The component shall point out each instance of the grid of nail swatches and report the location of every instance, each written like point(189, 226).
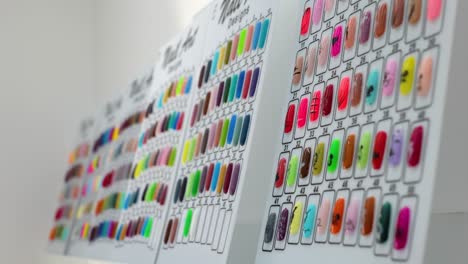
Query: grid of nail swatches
point(218, 132)
point(155, 164)
point(356, 128)
point(70, 194)
point(111, 199)
point(107, 136)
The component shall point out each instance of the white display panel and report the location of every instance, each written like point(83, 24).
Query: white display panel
point(210, 217)
point(104, 195)
point(70, 194)
point(105, 136)
point(374, 114)
point(156, 162)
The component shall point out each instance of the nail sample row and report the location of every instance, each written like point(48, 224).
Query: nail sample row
point(177, 88)
point(212, 180)
point(59, 233)
point(408, 81)
point(141, 227)
point(81, 151)
point(239, 86)
point(250, 39)
point(206, 225)
point(170, 122)
point(114, 230)
point(224, 133)
point(351, 218)
point(163, 157)
point(373, 149)
point(76, 171)
point(125, 147)
point(376, 26)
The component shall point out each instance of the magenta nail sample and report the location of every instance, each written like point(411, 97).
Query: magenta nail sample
point(336, 41)
point(402, 229)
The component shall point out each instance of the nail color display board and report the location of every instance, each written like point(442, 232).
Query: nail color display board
point(215, 206)
point(106, 137)
point(156, 162)
point(113, 198)
point(358, 156)
point(70, 194)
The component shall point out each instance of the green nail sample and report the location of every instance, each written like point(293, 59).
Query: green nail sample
point(179, 86)
point(193, 144)
point(292, 170)
point(227, 87)
point(188, 222)
point(148, 228)
point(238, 130)
point(150, 193)
point(334, 155)
point(172, 157)
point(364, 147)
point(383, 226)
point(224, 131)
point(240, 46)
point(188, 189)
point(196, 183)
point(232, 90)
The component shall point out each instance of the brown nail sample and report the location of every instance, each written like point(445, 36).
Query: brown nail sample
point(381, 20)
point(415, 9)
point(298, 70)
point(175, 225)
point(350, 34)
point(348, 154)
point(368, 217)
point(357, 90)
point(305, 162)
point(398, 13)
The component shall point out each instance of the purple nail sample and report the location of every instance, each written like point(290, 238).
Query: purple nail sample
point(253, 84)
point(282, 224)
point(396, 148)
point(365, 28)
point(201, 186)
point(234, 180)
point(220, 94)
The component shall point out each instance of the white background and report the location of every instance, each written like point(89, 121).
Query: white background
point(58, 60)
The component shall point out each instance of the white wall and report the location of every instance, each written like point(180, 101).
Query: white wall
point(129, 34)
point(58, 60)
point(47, 70)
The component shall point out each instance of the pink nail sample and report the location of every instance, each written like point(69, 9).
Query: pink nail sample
point(352, 215)
point(329, 4)
point(318, 11)
point(322, 219)
point(323, 52)
point(311, 62)
point(336, 41)
point(389, 77)
point(433, 9)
